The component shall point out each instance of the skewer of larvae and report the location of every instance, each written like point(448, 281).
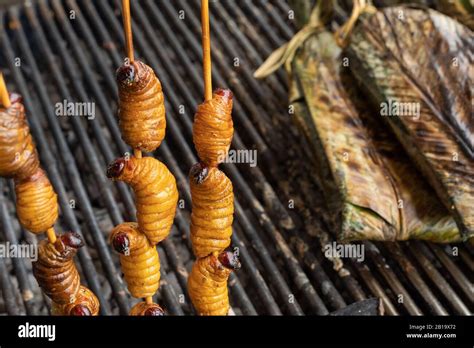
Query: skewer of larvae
point(142, 121)
point(212, 207)
point(37, 210)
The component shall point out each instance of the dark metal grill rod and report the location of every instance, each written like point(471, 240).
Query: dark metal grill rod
point(19, 265)
point(419, 251)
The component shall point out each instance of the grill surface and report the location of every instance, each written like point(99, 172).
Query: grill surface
point(69, 50)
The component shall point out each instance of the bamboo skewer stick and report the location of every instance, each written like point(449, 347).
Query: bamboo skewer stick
point(127, 27)
point(51, 234)
point(206, 49)
point(137, 153)
point(5, 98)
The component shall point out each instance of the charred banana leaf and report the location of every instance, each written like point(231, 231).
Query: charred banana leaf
point(417, 65)
point(371, 187)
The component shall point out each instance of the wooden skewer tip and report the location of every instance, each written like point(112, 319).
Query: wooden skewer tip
point(51, 234)
point(127, 26)
point(206, 49)
point(137, 153)
point(5, 98)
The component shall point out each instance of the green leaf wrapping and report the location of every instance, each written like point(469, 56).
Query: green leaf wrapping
point(406, 55)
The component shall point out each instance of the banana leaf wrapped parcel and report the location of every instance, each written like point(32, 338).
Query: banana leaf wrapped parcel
point(372, 189)
point(413, 57)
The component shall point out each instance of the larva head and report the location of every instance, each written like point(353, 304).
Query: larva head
point(72, 240)
point(147, 310)
point(133, 76)
point(154, 311)
point(121, 243)
point(199, 173)
point(85, 304)
point(80, 310)
point(117, 168)
point(125, 237)
point(68, 243)
point(229, 260)
point(223, 93)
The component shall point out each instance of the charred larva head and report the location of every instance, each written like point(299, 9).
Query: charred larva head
point(224, 93)
point(72, 240)
point(126, 75)
point(121, 243)
point(68, 243)
point(134, 76)
point(80, 310)
point(115, 169)
point(199, 173)
point(229, 260)
point(154, 311)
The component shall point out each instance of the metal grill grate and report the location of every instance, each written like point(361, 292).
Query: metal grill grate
point(68, 50)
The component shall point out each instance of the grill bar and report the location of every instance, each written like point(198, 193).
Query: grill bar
point(284, 268)
point(19, 264)
point(455, 272)
point(418, 252)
